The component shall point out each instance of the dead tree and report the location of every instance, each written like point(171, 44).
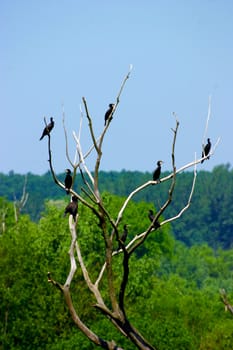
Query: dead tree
point(226, 302)
point(3, 215)
point(114, 307)
point(19, 204)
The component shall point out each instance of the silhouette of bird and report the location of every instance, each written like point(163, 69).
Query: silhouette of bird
point(151, 216)
point(206, 150)
point(72, 208)
point(157, 171)
point(68, 181)
point(108, 113)
point(48, 128)
point(123, 236)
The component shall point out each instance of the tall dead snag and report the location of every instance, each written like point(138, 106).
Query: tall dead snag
point(19, 204)
point(112, 305)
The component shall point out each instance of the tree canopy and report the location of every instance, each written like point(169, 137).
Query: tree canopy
point(209, 222)
point(179, 284)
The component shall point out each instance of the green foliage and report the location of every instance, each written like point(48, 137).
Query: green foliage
point(219, 337)
point(6, 215)
point(172, 295)
point(208, 219)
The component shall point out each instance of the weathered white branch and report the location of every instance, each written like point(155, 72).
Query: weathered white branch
point(228, 306)
point(116, 104)
point(93, 287)
point(82, 157)
point(124, 81)
point(141, 235)
point(166, 178)
point(189, 200)
point(81, 122)
point(73, 266)
point(19, 204)
point(79, 138)
point(66, 138)
point(101, 274)
point(170, 194)
point(207, 123)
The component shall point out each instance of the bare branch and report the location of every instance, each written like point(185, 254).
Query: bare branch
point(81, 122)
point(169, 199)
point(228, 306)
point(189, 200)
point(117, 102)
point(55, 179)
point(124, 278)
point(207, 122)
point(93, 287)
point(56, 284)
point(90, 125)
point(109, 345)
point(73, 266)
point(100, 275)
point(123, 84)
point(19, 204)
point(99, 148)
point(82, 160)
point(59, 183)
point(166, 178)
point(215, 146)
point(66, 138)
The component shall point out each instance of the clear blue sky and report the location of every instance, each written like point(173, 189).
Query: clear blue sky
point(55, 52)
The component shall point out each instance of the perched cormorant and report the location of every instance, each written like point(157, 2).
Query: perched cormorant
point(48, 128)
point(157, 172)
point(108, 113)
point(68, 181)
point(123, 236)
point(151, 217)
point(72, 208)
point(206, 150)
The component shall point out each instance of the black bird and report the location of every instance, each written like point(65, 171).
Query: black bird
point(151, 217)
point(206, 150)
point(157, 171)
point(48, 128)
point(72, 208)
point(123, 236)
point(68, 181)
point(108, 113)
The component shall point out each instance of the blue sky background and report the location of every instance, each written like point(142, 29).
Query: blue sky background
point(55, 52)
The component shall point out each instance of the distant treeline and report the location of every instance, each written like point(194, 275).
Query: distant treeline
point(209, 218)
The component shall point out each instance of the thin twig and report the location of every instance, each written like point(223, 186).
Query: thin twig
point(90, 125)
point(59, 183)
point(66, 138)
point(207, 123)
point(82, 160)
point(100, 275)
